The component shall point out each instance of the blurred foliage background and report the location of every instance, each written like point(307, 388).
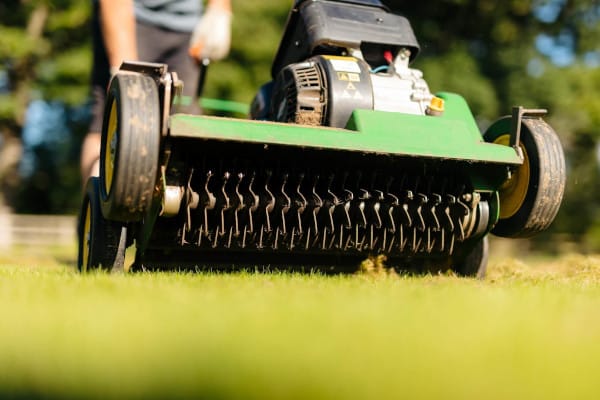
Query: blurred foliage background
point(535, 53)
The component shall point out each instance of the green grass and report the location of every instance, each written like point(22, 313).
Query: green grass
point(530, 330)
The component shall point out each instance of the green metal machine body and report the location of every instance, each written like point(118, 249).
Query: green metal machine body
point(344, 159)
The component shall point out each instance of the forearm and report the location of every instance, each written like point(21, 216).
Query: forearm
point(118, 30)
point(222, 4)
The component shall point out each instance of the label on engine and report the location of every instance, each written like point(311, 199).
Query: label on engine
point(348, 76)
point(344, 65)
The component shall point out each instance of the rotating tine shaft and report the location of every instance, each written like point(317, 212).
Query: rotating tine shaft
point(315, 212)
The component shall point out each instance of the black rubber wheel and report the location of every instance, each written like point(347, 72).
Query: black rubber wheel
point(472, 260)
point(101, 242)
point(130, 147)
point(531, 197)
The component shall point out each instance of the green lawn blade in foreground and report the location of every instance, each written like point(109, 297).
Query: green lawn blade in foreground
point(297, 336)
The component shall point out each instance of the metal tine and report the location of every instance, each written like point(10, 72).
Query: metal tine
point(292, 237)
point(463, 216)
point(347, 245)
point(378, 222)
point(182, 231)
point(448, 223)
point(230, 237)
point(403, 240)
point(341, 209)
point(359, 244)
point(377, 207)
point(416, 244)
point(331, 204)
point(341, 238)
point(434, 201)
point(459, 214)
point(365, 195)
point(240, 203)
point(215, 242)
point(373, 238)
point(391, 246)
point(226, 204)
point(300, 203)
point(209, 201)
point(405, 209)
point(430, 241)
point(421, 200)
point(199, 241)
point(260, 237)
point(347, 206)
point(451, 246)
point(394, 203)
point(388, 209)
point(253, 205)
point(318, 203)
point(269, 204)
point(191, 201)
point(285, 199)
point(363, 222)
point(443, 211)
point(472, 198)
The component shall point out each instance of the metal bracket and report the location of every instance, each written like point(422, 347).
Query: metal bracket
point(518, 113)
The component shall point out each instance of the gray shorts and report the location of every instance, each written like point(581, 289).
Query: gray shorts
point(154, 45)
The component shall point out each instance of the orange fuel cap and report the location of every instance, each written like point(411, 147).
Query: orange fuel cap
point(436, 107)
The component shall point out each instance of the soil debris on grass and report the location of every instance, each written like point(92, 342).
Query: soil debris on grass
point(583, 269)
point(375, 266)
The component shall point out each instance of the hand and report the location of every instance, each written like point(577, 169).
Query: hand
point(211, 38)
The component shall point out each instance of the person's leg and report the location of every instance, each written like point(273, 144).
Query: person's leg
point(90, 156)
point(90, 150)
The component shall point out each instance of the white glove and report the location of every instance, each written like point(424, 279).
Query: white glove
point(212, 36)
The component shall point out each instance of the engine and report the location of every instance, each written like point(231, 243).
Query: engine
point(322, 74)
point(324, 90)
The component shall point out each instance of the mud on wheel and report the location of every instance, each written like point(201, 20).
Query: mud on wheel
point(101, 242)
point(130, 146)
point(531, 197)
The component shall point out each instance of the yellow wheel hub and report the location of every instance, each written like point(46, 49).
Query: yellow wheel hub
point(111, 147)
point(86, 238)
point(514, 190)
